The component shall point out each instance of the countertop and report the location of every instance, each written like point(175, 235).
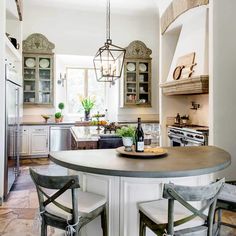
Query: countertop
point(87, 133)
point(179, 162)
point(28, 123)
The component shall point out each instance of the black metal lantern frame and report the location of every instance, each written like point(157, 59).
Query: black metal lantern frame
point(109, 59)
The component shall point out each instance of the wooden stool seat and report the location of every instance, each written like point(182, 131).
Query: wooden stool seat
point(156, 211)
point(88, 202)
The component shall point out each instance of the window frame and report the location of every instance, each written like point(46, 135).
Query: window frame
point(86, 81)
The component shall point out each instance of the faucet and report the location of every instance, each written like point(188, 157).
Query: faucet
point(195, 106)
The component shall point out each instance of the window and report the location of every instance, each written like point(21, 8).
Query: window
point(82, 82)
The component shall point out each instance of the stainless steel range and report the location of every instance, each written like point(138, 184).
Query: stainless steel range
point(188, 135)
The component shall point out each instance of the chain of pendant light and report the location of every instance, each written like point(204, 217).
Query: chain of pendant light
point(108, 20)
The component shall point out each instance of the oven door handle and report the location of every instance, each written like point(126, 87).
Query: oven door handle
point(195, 142)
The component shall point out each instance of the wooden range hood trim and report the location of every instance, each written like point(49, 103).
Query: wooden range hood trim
point(194, 85)
point(176, 9)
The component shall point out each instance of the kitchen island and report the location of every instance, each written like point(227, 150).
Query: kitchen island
point(91, 138)
point(126, 181)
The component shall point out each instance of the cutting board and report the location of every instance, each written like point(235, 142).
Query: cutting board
point(186, 60)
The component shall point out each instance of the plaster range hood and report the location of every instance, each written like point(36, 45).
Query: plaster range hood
point(193, 85)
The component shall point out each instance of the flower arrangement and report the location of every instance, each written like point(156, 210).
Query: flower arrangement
point(87, 103)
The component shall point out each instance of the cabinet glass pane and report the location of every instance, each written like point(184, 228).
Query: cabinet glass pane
point(44, 63)
point(131, 77)
point(44, 74)
point(29, 97)
point(44, 86)
point(29, 62)
point(143, 67)
point(29, 74)
point(44, 97)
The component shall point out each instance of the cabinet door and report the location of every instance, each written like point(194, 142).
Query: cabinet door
point(39, 141)
point(24, 141)
point(38, 79)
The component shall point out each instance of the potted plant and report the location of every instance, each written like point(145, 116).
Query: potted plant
point(61, 106)
point(127, 133)
point(184, 119)
point(58, 117)
point(87, 103)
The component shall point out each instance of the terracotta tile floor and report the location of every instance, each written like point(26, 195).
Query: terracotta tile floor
point(17, 215)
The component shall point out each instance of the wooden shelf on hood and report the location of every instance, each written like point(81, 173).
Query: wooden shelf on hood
point(194, 85)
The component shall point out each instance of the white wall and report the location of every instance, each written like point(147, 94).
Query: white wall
point(82, 33)
point(2, 92)
point(223, 84)
point(193, 38)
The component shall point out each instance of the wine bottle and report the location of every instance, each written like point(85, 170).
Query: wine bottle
point(139, 137)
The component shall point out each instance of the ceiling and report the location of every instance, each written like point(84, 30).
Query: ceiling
point(117, 6)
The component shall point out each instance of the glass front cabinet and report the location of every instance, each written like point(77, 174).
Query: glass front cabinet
point(38, 76)
point(137, 75)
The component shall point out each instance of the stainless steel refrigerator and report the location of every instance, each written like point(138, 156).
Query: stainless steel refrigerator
point(12, 128)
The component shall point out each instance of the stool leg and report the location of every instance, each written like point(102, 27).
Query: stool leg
point(104, 222)
point(142, 227)
point(219, 220)
point(43, 228)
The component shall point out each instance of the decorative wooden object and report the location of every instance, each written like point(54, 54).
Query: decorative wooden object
point(185, 65)
point(177, 8)
point(155, 154)
point(137, 75)
point(38, 63)
point(37, 43)
point(194, 85)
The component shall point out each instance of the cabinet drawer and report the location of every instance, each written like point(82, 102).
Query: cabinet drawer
point(87, 145)
point(39, 130)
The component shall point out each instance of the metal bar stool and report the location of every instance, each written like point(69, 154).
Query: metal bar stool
point(68, 208)
point(226, 201)
point(174, 215)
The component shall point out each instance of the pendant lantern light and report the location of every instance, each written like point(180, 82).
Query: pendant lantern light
point(109, 59)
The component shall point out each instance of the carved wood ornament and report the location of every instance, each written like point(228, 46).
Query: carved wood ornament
point(138, 50)
point(37, 43)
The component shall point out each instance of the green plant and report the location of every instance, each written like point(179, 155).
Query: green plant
point(61, 106)
point(126, 131)
point(87, 103)
point(58, 115)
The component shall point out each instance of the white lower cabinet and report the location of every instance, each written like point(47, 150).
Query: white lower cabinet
point(24, 141)
point(34, 141)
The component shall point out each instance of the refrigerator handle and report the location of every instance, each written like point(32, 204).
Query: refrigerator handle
point(17, 102)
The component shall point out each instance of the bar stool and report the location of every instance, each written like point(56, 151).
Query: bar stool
point(174, 215)
point(226, 201)
point(68, 208)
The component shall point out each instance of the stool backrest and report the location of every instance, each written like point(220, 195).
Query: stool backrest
point(62, 184)
point(207, 195)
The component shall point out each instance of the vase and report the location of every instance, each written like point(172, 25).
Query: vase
point(128, 143)
point(86, 115)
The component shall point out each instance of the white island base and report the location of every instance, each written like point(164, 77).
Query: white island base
point(123, 194)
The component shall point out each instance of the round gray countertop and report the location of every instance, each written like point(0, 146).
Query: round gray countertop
point(179, 162)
